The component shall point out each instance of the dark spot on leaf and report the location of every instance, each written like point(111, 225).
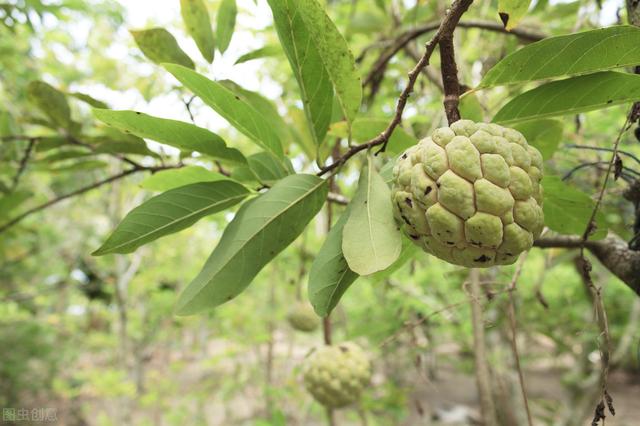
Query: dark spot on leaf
point(504, 17)
point(413, 237)
point(237, 97)
point(229, 297)
point(138, 113)
point(482, 259)
point(427, 190)
point(408, 201)
point(450, 243)
point(609, 101)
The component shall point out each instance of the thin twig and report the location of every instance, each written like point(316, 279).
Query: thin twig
point(447, 26)
point(598, 148)
point(17, 219)
point(23, 163)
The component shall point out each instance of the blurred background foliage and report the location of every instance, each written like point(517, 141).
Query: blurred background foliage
point(96, 337)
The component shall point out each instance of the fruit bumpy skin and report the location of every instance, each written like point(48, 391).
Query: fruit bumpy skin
point(470, 194)
point(337, 375)
point(302, 317)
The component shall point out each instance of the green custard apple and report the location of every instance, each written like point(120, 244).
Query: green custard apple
point(302, 317)
point(337, 375)
point(470, 194)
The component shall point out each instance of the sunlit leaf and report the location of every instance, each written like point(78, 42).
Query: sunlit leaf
point(178, 134)
point(307, 65)
point(330, 276)
point(160, 46)
point(226, 23)
point(572, 96)
point(261, 229)
point(195, 16)
point(171, 212)
point(51, 102)
point(165, 180)
point(263, 52)
point(572, 54)
point(242, 115)
point(371, 239)
point(512, 11)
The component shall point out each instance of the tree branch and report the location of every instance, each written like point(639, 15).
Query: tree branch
point(449, 71)
point(23, 163)
point(447, 26)
point(17, 219)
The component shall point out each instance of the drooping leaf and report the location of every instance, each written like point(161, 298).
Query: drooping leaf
point(263, 52)
point(307, 65)
point(168, 179)
point(512, 11)
point(242, 115)
point(330, 276)
point(90, 100)
point(371, 239)
point(336, 56)
point(573, 54)
point(571, 96)
point(261, 229)
point(181, 135)
point(51, 102)
point(264, 106)
point(171, 212)
point(197, 21)
point(364, 129)
point(567, 210)
point(160, 46)
point(226, 23)
point(263, 168)
point(544, 134)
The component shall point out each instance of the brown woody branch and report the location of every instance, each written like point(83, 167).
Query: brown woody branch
point(447, 26)
point(450, 82)
point(613, 252)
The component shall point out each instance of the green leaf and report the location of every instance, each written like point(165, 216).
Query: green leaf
point(336, 56)
point(264, 106)
point(512, 11)
point(263, 168)
point(568, 210)
point(12, 200)
point(51, 102)
point(168, 179)
point(226, 23)
point(544, 134)
point(198, 24)
point(90, 100)
point(573, 54)
point(171, 212)
point(330, 276)
point(178, 134)
point(261, 229)
point(365, 129)
point(124, 147)
point(571, 96)
point(160, 46)
point(371, 239)
point(471, 108)
point(242, 115)
point(307, 65)
point(408, 252)
point(263, 52)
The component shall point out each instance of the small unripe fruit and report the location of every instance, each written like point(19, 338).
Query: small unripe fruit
point(337, 375)
point(470, 194)
point(302, 317)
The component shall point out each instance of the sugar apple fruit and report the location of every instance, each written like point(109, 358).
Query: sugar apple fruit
point(470, 194)
point(302, 317)
point(337, 375)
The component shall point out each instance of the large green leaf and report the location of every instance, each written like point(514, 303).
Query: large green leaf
point(512, 11)
point(371, 239)
point(572, 54)
point(165, 180)
point(365, 129)
point(544, 134)
point(306, 63)
point(195, 16)
point(241, 114)
point(568, 210)
point(572, 96)
point(263, 168)
point(179, 134)
point(226, 23)
point(171, 212)
point(51, 102)
point(160, 46)
point(336, 56)
point(330, 276)
point(263, 52)
point(261, 229)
